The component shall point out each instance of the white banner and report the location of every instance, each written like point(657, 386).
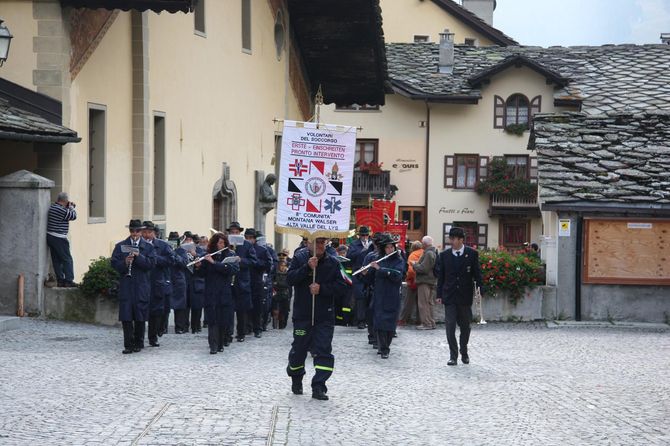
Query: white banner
point(317, 168)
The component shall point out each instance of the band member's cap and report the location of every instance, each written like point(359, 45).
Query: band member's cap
point(135, 224)
point(363, 230)
point(385, 239)
point(174, 235)
point(457, 232)
point(188, 234)
point(149, 224)
point(235, 225)
point(250, 232)
point(259, 234)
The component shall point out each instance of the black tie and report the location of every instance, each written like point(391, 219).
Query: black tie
point(458, 253)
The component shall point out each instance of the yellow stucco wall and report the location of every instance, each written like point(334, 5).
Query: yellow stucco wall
point(401, 141)
point(403, 19)
point(18, 18)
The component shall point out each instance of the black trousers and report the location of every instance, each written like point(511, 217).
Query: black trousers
point(384, 339)
point(181, 320)
point(317, 339)
point(460, 315)
point(166, 314)
point(61, 258)
point(155, 326)
point(241, 323)
point(215, 336)
point(133, 334)
point(196, 319)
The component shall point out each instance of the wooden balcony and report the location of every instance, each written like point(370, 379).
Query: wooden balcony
point(366, 185)
point(514, 206)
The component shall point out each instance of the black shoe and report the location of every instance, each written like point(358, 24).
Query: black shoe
point(452, 361)
point(319, 394)
point(127, 351)
point(220, 349)
point(465, 359)
point(370, 341)
point(154, 344)
point(212, 352)
point(375, 346)
point(226, 343)
point(240, 339)
point(136, 349)
point(257, 335)
point(395, 334)
point(379, 352)
point(296, 386)
point(362, 326)
point(385, 356)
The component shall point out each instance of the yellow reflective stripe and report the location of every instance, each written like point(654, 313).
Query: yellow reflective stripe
point(296, 368)
point(346, 310)
point(339, 317)
point(323, 367)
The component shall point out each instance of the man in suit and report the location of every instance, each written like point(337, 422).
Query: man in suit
point(134, 269)
point(358, 249)
point(161, 283)
point(242, 282)
point(457, 270)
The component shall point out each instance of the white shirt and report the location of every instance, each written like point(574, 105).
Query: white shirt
point(459, 251)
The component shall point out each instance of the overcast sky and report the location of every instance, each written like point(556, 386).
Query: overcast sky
point(582, 22)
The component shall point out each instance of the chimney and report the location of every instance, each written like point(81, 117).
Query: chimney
point(481, 8)
point(446, 52)
point(665, 38)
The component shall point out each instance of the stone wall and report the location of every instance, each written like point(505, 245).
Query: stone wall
point(69, 304)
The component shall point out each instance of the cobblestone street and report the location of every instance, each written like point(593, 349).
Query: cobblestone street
point(69, 384)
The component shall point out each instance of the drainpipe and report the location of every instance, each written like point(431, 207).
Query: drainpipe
point(578, 269)
point(427, 163)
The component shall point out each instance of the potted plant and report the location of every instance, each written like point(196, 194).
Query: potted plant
point(372, 168)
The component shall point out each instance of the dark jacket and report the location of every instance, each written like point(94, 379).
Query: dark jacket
point(242, 282)
point(328, 276)
point(263, 266)
point(425, 266)
point(455, 277)
point(161, 276)
point(135, 291)
point(218, 287)
point(181, 277)
point(281, 286)
point(196, 288)
point(386, 301)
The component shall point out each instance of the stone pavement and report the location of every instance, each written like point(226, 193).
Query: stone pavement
point(68, 384)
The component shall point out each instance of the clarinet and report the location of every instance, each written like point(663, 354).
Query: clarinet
point(190, 258)
point(130, 268)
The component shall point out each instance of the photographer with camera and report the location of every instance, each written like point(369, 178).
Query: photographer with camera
point(58, 224)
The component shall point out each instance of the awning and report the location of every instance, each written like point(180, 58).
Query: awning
point(342, 47)
point(17, 124)
point(139, 5)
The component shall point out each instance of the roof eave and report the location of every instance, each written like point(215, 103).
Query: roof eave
point(35, 137)
point(170, 6)
point(518, 61)
point(469, 18)
point(603, 207)
point(417, 95)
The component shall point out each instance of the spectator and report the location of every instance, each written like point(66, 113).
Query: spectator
point(425, 281)
point(58, 225)
point(406, 317)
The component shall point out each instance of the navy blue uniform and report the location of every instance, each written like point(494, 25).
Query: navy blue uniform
point(134, 291)
point(356, 254)
point(219, 307)
point(265, 319)
point(242, 285)
point(369, 291)
point(196, 293)
point(258, 290)
point(315, 338)
point(161, 289)
point(456, 276)
point(386, 300)
point(181, 276)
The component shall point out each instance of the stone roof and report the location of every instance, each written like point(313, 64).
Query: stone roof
point(615, 159)
point(600, 78)
point(17, 124)
point(139, 5)
point(473, 20)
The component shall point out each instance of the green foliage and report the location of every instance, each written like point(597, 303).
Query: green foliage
point(100, 278)
point(516, 129)
point(502, 271)
point(502, 183)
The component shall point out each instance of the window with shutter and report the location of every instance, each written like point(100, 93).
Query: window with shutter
point(448, 171)
point(498, 113)
point(482, 236)
point(533, 169)
point(517, 108)
point(483, 168)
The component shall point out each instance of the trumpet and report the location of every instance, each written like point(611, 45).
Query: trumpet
point(478, 297)
point(360, 270)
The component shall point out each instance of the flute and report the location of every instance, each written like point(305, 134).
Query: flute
point(370, 264)
point(200, 259)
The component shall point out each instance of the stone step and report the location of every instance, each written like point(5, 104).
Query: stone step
point(9, 323)
point(607, 324)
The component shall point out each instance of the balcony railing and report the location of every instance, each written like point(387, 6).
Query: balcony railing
point(365, 184)
point(514, 206)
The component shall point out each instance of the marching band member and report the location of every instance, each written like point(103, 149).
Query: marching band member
point(242, 282)
point(358, 249)
point(257, 272)
point(161, 283)
point(219, 306)
point(134, 285)
point(313, 296)
point(181, 277)
point(386, 275)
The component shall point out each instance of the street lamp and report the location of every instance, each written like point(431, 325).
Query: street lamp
point(5, 39)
